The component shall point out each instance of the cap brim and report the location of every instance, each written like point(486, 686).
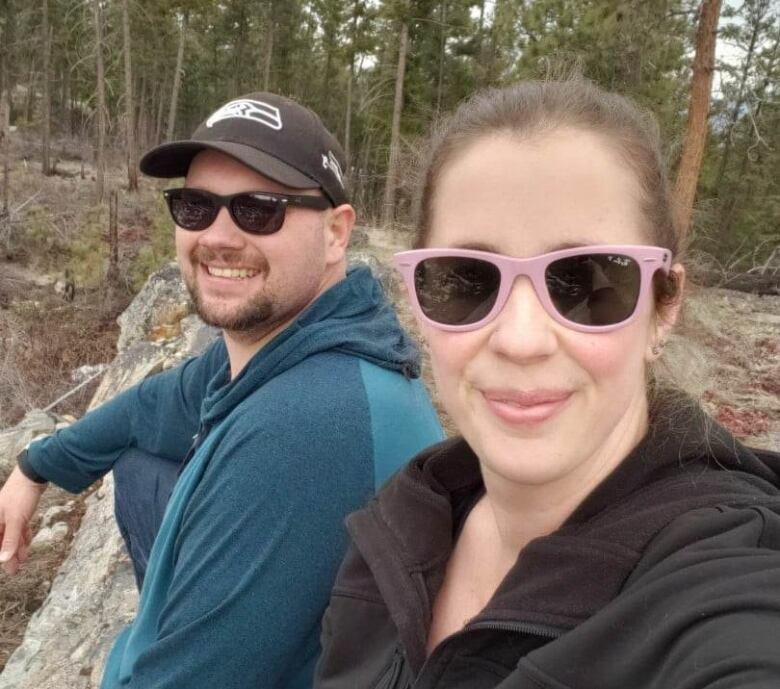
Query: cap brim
point(173, 160)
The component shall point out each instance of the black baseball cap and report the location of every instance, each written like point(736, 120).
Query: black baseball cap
point(270, 134)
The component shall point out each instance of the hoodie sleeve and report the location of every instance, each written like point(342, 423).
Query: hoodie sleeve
point(160, 416)
point(261, 540)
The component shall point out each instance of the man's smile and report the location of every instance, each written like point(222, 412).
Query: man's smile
point(232, 273)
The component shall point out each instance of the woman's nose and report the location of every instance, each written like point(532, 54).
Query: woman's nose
point(524, 331)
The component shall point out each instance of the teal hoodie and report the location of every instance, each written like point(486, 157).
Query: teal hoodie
point(242, 567)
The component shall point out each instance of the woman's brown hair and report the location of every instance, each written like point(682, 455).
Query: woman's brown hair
point(532, 108)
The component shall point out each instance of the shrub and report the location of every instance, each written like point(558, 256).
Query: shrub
point(158, 250)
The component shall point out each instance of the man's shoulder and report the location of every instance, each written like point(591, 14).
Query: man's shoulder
point(316, 388)
point(312, 418)
point(328, 374)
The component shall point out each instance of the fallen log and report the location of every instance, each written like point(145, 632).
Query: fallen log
point(753, 283)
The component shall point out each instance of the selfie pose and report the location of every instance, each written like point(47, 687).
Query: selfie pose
point(591, 528)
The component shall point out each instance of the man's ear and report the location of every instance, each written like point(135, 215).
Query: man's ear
point(666, 316)
point(338, 229)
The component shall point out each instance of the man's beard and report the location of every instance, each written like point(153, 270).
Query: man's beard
point(252, 318)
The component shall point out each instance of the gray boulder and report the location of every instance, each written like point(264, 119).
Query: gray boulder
point(13, 440)
point(160, 305)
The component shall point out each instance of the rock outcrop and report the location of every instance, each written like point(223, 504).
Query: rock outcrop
point(36, 424)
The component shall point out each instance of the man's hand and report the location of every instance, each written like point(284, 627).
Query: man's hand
point(19, 498)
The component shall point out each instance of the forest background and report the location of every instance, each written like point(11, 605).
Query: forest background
point(85, 85)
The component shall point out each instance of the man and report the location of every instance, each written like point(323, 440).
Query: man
point(284, 425)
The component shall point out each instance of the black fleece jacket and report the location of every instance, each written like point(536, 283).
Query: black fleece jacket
point(666, 577)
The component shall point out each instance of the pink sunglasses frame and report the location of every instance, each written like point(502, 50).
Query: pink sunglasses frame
point(648, 258)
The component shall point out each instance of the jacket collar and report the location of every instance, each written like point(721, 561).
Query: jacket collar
point(406, 534)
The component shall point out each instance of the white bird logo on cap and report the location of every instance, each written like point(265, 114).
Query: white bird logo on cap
point(247, 109)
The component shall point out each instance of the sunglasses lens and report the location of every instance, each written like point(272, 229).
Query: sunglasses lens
point(594, 289)
point(456, 291)
point(257, 215)
point(191, 210)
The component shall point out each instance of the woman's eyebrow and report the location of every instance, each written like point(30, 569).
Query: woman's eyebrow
point(477, 246)
point(482, 246)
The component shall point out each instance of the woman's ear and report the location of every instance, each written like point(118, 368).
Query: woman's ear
point(666, 314)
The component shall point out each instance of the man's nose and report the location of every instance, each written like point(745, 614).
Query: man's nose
point(223, 232)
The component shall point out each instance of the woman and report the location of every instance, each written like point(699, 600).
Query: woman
point(587, 530)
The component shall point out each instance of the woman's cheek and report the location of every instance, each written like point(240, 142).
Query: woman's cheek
point(450, 355)
point(609, 356)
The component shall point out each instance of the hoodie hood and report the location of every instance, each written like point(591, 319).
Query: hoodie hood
point(352, 317)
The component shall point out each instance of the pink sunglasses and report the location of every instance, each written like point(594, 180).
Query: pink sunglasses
point(593, 289)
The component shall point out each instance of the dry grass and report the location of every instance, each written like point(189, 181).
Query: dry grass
point(56, 224)
point(42, 342)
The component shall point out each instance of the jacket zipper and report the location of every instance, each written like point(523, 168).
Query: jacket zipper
point(520, 627)
point(542, 630)
point(197, 441)
point(390, 678)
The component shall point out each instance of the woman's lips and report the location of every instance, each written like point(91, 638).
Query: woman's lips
point(526, 408)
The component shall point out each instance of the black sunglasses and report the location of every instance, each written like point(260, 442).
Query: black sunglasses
point(255, 212)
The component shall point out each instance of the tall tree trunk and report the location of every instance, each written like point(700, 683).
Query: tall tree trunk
point(388, 206)
point(442, 53)
point(736, 191)
point(739, 192)
point(698, 111)
point(740, 101)
point(363, 193)
point(142, 115)
point(239, 42)
point(326, 88)
point(5, 77)
point(479, 51)
point(100, 157)
point(4, 148)
point(67, 108)
point(132, 150)
point(46, 79)
point(268, 46)
point(348, 115)
point(159, 120)
point(112, 270)
point(62, 91)
point(29, 105)
point(177, 77)
point(5, 118)
point(350, 81)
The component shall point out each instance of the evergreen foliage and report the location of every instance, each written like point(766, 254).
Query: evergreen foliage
point(340, 58)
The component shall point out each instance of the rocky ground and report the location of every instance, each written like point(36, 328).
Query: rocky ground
point(729, 356)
